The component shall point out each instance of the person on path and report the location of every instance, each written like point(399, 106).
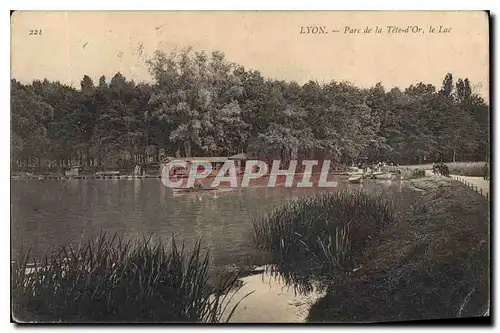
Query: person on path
point(435, 169)
point(444, 170)
point(485, 171)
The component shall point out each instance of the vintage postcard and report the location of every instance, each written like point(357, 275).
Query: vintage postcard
point(250, 166)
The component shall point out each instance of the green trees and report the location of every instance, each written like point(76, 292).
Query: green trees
point(196, 95)
point(31, 117)
point(202, 104)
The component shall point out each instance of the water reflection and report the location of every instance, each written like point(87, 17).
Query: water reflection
point(51, 212)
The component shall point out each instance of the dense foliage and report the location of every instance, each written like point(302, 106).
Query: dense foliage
point(201, 104)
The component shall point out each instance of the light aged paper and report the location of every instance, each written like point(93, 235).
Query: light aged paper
point(334, 166)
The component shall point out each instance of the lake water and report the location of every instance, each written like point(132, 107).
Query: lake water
point(48, 213)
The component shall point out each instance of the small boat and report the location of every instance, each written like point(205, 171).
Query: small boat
point(355, 174)
point(354, 171)
point(193, 189)
point(374, 174)
point(355, 179)
point(384, 176)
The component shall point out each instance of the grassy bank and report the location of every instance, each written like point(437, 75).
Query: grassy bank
point(113, 280)
point(427, 258)
point(433, 262)
point(473, 169)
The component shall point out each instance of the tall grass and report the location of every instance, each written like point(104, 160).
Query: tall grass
point(473, 169)
point(113, 280)
point(315, 238)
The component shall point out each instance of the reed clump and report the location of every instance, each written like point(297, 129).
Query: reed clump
point(113, 280)
point(314, 239)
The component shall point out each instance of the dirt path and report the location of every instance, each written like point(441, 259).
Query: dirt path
point(480, 185)
point(271, 302)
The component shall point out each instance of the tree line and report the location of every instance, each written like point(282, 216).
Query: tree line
point(201, 104)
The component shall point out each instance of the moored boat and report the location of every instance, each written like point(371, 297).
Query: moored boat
point(355, 179)
point(384, 176)
point(193, 189)
point(353, 171)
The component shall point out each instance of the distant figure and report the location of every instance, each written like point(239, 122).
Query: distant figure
point(435, 169)
point(444, 170)
point(485, 171)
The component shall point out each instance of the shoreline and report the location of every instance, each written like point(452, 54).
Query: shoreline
point(432, 214)
point(440, 239)
point(273, 301)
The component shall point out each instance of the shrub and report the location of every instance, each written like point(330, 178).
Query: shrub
point(412, 173)
point(110, 280)
point(474, 169)
point(314, 238)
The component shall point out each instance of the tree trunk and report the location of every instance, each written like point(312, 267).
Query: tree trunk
point(187, 148)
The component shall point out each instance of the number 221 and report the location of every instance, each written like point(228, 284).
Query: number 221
point(35, 32)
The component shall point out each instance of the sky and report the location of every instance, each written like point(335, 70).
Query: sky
point(77, 43)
